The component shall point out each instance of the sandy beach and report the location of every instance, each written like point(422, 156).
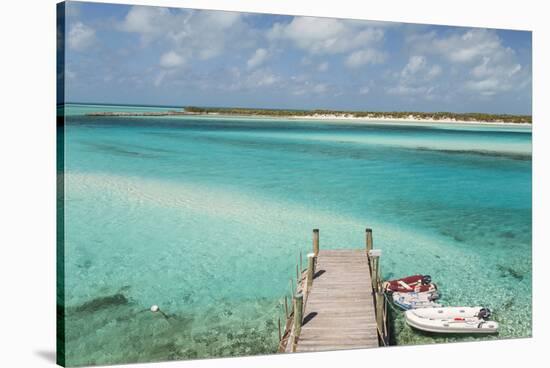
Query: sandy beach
point(369, 120)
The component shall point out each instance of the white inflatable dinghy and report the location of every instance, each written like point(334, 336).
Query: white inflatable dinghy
point(452, 320)
point(414, 300)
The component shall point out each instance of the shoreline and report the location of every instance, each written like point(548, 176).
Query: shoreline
point(318, 117)
point(375, 120)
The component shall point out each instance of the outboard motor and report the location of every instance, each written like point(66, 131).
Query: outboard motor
point(434, 296)
point(426, 280)
point(484, 313)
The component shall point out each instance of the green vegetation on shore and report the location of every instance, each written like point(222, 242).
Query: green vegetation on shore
point(505, 118)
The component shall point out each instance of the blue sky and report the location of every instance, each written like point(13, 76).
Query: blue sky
point(179, 57)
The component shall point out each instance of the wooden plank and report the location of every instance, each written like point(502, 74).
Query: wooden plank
point(347, 338)
point(341, 326)
point(338, 325)
point(328, 344)
point(330, 347)
point(319, 335)
point(323, 298)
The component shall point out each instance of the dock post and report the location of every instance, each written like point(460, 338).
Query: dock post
point(298, 308)
point(316, 242)
point(374, 271)
point(379, 313)
point(286, 308)
point(298, 311)
point(279, 324)
point(368, 235)
point(310, 270)
point(378, 294)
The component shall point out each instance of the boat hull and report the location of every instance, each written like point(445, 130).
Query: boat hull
point(414, 300)
point(409, 284)
point(450, 320)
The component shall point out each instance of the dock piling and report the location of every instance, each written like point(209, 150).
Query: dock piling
point(316, 242)
point(368, 238)
point(378, 294)
point(310, 270)
point(279, 324)
point(298, 308)
point(375, 264)
point(379, 312)
point(286, 308)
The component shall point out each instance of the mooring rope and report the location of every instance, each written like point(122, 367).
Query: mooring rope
point(391, 304)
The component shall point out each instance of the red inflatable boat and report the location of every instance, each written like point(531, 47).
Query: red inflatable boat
point(416, 283)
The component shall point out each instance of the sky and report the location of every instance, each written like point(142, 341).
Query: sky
point(122, 54)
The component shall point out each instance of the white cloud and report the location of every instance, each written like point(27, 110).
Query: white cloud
point(363, 57)
point(301, 86)
point(210, 33)
point(490, 76)
point(416, 80)
point(323, 67)
point(171, 59)
point(320, 88)
point(470, 45)
point(482, 69)
point(258, 58)
point(191, 33)
point(434, 71)
point(81, 37)
point(462, 47)
point(148, 21)
point(72, 9)
point(486, 87)
point(412, 91)
point(364, 90)
point(261, 78)
point(486, 65)
point(416, 63)
point(159, 78)
point(325, 35)
point(418, 69)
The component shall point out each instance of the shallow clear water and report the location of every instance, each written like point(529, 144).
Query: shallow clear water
point(206, 217)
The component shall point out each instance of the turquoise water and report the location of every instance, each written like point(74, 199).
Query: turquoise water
point(206, 217)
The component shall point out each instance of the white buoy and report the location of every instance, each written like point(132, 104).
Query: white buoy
point(155, 308)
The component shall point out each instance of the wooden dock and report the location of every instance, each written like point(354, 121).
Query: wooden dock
point(338, 303)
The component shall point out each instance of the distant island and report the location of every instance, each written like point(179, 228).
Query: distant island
point(334, 114)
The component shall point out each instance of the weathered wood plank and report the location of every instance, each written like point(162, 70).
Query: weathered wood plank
point(335, 347)
point(347, 339)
